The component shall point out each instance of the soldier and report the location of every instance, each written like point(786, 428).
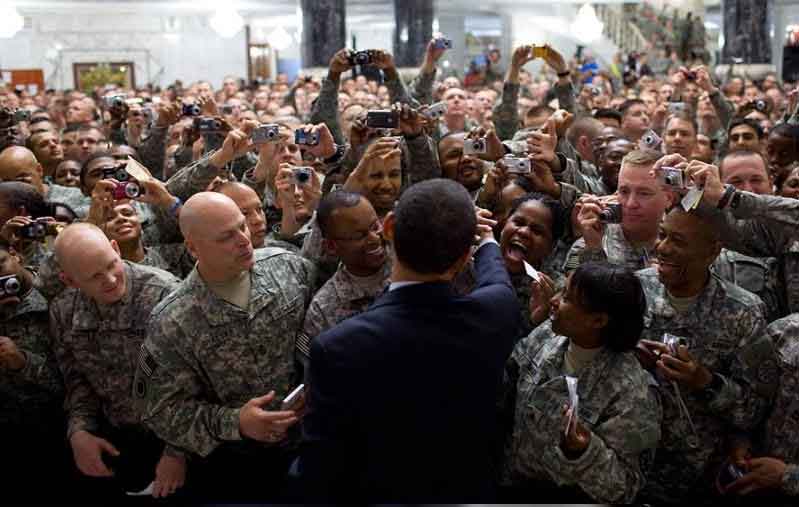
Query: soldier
point(19, 164)
point(643, 201)
point(31, 388)
point(711, 377)
point(609, 165)
point(220, 348)
point(594, 326)
point(98, 329)
point(776, 467)
point(352, 232)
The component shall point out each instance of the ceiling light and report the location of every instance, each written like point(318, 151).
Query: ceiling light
point(226, 22)
point(11, 21)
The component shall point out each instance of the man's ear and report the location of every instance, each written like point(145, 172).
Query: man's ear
point(191, 248)
point(330, 246)
point(388, 226)
point(40, 170)
point(115, 246)
point(66, 280)
point(599, 320)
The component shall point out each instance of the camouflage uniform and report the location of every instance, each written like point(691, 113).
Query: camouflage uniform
point(151, 150)
point(30, 396)
point(421, 87)
point(782, 426)
point(172, 257)
point(757, 275)
point(325, 109)
point(618, 405)
point(615, 250)
point(725, 332)
point(97, 347)
point(204, 358)
point(70, 196)
point(764, 226)
point(579, 173)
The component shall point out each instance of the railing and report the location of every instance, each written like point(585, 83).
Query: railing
point(619, 29)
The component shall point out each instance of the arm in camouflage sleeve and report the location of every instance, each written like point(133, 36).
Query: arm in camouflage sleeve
point(422, 87)
point(194, 178)
point(748, 390)
point(422, 160)
point(609, 469)
point(153, 150)
point(724, 109)
point(579, 254)
point(80, 402)
point(47, 281)
point(325, 109)
point(42, 370)
point(564, 91)
point(506, 113)
point(172, 404)
point(396, 89)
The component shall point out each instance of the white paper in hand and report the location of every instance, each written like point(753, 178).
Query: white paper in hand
point(531, 272)
point(692, 199)
point(145, 492)
point(138, 171)
point(574, 402)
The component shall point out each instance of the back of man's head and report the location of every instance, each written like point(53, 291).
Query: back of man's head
point(21, 197)
point(434, 226)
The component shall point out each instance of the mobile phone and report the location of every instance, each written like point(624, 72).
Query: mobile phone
point(290, 401)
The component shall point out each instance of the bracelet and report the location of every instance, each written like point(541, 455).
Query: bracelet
point(564, 73)
point(175, 207)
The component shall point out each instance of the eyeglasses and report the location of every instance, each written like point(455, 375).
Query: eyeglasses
point(376, 228)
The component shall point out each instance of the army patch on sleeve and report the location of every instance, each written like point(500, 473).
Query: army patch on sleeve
point(147, 362)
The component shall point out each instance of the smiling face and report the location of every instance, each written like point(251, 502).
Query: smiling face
point(355, 236)
point(123, 224)
point(685, 249)
point(642, 198)
point(465, 169)
point(527, 236)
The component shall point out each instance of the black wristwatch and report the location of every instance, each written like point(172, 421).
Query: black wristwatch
point(729, 190)
point(564, 73)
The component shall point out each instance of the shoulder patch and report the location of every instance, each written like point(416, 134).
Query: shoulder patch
point(147, 362)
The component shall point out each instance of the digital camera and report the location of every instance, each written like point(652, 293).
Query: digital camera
point(650, 140)
point(302, 175)
point(517, 165)
point(611, 214)
point(436, 111)
point(127, 190)
point(761, 105)
point(208, 125)
point(690, 75)
point(115, 101)
point(226, 109)
point(474, 146)
point(119, 173)
point(677, 107)
point(361, 57)
point(306, 138)
point(442, 43)
point(673, 342)
point(36, 231)
point(191, 110)
point(266, 133)
point(672, 178)
point(9, 286)
point(22, 115)
point(382, 119)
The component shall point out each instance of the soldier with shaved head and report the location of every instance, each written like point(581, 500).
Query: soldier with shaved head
point(98, 327)
point(219, 354)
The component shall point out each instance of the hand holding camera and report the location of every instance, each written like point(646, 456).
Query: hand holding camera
point(674, 363)
point(265, 425)
point(378, 154)
point(411, 122)
point(590, 221)
point(485, 144)
point(236, 144)
point(706, 176)
point(168, 115)
point(316, 140)
point(339, 64)
point(542, 145)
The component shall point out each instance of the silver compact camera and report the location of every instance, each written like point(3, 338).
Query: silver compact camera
point(266, 133)
point(672, 177)
point(475, 146)
point(673, 342)
point(442, 43)
point(677, 107)
point(436, 111)
point(9, 286)
point(302, 175)
point(650, 140)
point(517, 165)
point(306, 138)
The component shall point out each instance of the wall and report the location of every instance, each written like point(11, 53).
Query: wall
point(192, 52)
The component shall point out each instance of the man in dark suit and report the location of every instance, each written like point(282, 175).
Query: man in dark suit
point(402, 397)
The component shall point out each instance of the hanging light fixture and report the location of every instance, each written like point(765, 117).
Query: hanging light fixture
point(226, 22)
point(11, 21)
point(586, 25)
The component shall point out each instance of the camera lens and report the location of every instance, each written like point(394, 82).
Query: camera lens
point(12, 286)
point(132, 190)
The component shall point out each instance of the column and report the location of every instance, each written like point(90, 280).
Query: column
point(323, 30)
point(414, 20)
point(746, 31)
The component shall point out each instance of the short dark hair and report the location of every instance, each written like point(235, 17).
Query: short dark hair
point(608, 113)
point(740, 120)
point(435, 224)
point(94, 156)
point(558, 212)
point(17, 195)
point(616, 292)
point(627, 104)
point(539, 110)
point(683, 116)
point(332, 202)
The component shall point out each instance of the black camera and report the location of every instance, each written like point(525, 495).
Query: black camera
point(228, 110)
point(761, 105)
point(302, 175)
point(119, 173)
point(9, 286)
point(35, 231)
point(191, 110)
point(22, 115)
point(208, 125)
point(382, 119)
point(116, 101)
point(690, 75)
point(361, 57)
point(307, 138)
point(611, 214)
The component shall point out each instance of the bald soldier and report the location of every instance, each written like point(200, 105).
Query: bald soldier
point(219, 354)
point(20, 164)
point(98, 326)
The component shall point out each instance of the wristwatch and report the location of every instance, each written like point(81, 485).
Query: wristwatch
point(729, 190)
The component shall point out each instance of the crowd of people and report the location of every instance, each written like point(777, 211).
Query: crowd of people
point(566, 287)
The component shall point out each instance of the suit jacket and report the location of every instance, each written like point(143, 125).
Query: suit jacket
point(403, 397)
